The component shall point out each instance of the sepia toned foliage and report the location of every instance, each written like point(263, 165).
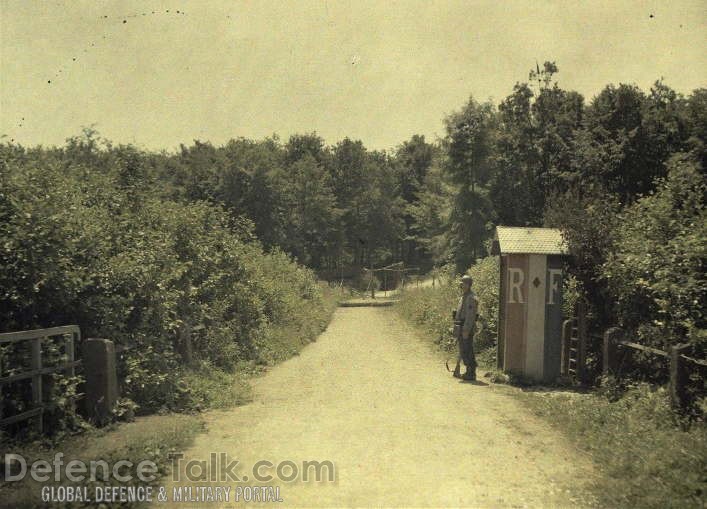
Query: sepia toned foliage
point(90, 236)
point(657, 270)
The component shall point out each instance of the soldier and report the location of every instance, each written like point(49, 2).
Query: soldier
point(464, 326)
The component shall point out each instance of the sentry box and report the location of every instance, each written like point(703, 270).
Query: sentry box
point(530, 301)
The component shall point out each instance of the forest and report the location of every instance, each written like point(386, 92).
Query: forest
point(134, 244)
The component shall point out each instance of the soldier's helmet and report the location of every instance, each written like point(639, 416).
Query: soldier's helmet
point(466, 278)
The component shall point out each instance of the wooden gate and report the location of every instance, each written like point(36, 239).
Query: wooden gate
point(71, 336)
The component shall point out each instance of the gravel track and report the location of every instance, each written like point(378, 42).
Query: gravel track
point(374, 398)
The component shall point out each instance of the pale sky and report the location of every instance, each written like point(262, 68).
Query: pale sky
point(377, 71)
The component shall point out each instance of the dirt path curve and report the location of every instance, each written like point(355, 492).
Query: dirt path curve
point(375, 399)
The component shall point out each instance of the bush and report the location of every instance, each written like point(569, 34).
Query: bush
point(431, 308)
point(92, 239)
point(486, 275)
point(587, 219)
point(657, 270)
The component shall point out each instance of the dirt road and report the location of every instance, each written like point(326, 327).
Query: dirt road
point(375, 399)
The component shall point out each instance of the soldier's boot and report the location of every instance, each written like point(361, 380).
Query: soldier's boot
point(457, 372)
point(470, 374)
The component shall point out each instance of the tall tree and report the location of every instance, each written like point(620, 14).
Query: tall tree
point(535, 146)
point(312, 214)
point(353, 187)
point(429, 213)
point(469, 143)
point(412, 160)
point(247, 186)
point(301, 145)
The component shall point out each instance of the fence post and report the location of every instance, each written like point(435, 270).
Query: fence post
point(70, 350)
point(566, 340)
point(678, 376)
point(610, 355)
point(70, 347)
point(101, 379)
point(37, 399)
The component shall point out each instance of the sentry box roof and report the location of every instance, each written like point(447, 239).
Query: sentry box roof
point(512, 239)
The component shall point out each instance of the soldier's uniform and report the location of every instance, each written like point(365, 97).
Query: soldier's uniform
point(464, 327)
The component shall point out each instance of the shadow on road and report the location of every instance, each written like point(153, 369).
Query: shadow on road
point(553, 388)
point(474, 382)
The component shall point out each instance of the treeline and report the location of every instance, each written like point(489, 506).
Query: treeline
point(331, 207)
point(621, 174)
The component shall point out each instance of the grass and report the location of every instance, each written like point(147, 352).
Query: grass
point(430, 310)
point(287, 339)
point(214, 388)
point(648, 457)
point(151, 438)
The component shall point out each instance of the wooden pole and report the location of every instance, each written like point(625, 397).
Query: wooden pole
point(73, 338)
point(610, 352)
point(101, 379)
point(37, 380)
point(678, 376)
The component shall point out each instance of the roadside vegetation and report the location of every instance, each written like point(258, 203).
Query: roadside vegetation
point(91, 235)
point(431, 308)
point(147, 438)
point(647, 455)
point(647, 258)
point(90, 238)
point(623, 178)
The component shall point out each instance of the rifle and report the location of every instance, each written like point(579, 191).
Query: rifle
point(457, 372)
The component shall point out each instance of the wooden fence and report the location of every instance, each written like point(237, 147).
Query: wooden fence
point(574, 355)
point(71, 335)
point(679, 363)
